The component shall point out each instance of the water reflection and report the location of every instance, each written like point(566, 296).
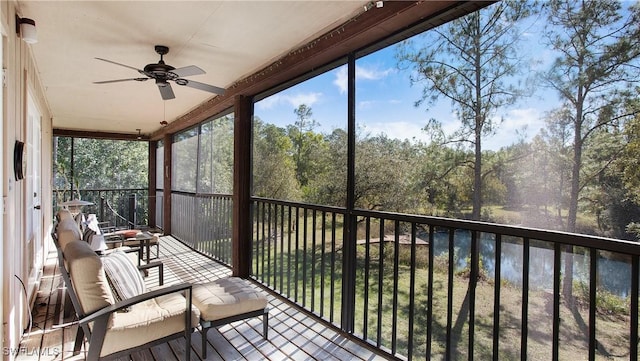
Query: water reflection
point(614, 272)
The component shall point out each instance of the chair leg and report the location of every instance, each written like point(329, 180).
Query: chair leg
point(265, 325)
point(204, 341)
point(79, 340)
point(187, 348)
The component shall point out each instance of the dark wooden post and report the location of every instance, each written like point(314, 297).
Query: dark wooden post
point(241, 239)
point(166, 191)
point(151, 199)
point(133, 207)
point(350, 227)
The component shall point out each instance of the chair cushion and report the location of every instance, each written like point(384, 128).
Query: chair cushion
point(227, 297)
point(148, 321)
point(67, 225)
point(63, 214)
point(123, 276)
point(66, 236)
point(87, 275)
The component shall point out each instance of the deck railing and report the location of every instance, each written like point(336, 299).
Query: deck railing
point(203, 221)
point(431, 288)
point(130, 206)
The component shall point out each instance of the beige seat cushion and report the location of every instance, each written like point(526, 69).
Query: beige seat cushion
point(88, 277)
point(66, 229)
point(146, 322)
point(66, 236)
point(63, 214)
point(227, 297)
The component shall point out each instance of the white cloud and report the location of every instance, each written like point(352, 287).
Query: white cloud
point(292, 99)
point(268, 103)
point(397, 130)
point(307, 98)
point(524, 122)
point(366, 104)
point(362, 73)
point(341, 79)
point(518, 123)
point(371, 74)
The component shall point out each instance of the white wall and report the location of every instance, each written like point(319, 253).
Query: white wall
point(20, 77)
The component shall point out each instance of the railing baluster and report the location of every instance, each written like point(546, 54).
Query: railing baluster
point(430, 294)
point(396, 264)
point(255, 259)
point(322, 260)
point(333, 266)
point(273, 244)
point(557, 272)
point(313, 259)
point(297, 261)
point(264, 242)
point(268, 243)
point(473, 280)
point(282, 248)
point(496, 297)
point(304, 258)
point(635, 268)
point(380, 283)
point(450, 295)
point(412, 292)
point(289, 252)
point(525, 299)
point(593, 277)
point(367, 249)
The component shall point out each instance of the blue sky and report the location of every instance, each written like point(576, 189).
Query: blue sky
point(385, 103)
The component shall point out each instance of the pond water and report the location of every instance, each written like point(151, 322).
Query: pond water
point(614, 275)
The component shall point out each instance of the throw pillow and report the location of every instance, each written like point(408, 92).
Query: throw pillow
point(123, 276)
point(87, 234)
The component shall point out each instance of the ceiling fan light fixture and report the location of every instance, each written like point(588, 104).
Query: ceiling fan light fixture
point(163, 73)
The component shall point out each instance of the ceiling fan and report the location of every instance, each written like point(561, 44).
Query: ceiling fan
point(163, 73)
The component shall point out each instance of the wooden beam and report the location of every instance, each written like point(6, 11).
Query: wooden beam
point(242, 226)
point(98, 135)
point(152, 182)
point(166, 189)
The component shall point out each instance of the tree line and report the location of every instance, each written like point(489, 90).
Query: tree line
point(578, 174)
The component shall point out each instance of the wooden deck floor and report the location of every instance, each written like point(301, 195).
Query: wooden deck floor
point(293, 334)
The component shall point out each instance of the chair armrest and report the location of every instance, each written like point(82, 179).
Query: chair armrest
point(106, 311)
point(136, 249)
point(100, 318)
point(160, 266)
point(126, 249)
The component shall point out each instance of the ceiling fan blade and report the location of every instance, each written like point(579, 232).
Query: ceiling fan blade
point(126, 66)
point(119, 80)
point(201, 86)
point(188, 71)
point(166, 92)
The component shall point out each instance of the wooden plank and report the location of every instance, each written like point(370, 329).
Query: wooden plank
point(162, 352)
point(177, 347)
point(222, 345)
point(142, 355)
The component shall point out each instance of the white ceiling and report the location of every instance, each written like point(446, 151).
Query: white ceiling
point(228, 39)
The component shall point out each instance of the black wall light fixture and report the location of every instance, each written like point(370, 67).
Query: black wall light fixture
point(26, 28)
point(18, 160)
